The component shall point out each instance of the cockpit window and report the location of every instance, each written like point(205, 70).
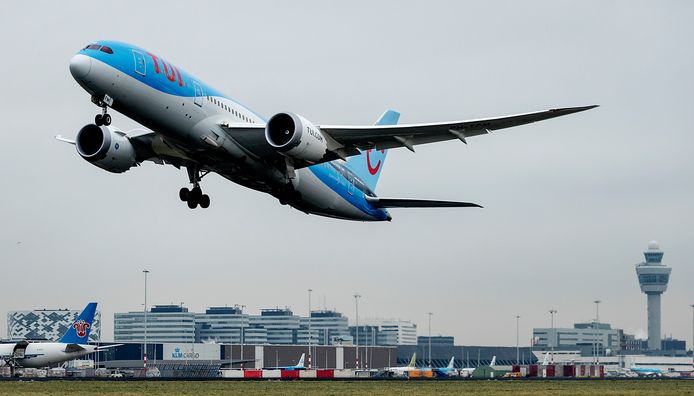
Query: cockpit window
point(106, 49)
point(93, 46)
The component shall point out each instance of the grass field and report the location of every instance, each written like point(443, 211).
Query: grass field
point(155, 388)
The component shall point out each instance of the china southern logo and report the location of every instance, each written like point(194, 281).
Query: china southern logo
point(81, 327)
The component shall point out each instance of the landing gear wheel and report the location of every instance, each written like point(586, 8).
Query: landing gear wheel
point(205, 201)
point(192, 203)
point(106, 119)
point(195, 194)
point(184, 194)
point(98, 120)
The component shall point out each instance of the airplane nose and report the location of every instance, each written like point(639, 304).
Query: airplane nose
point(80, 66)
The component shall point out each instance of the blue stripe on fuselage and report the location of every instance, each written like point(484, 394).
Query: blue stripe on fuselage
point(331, 177)
point(123, 59)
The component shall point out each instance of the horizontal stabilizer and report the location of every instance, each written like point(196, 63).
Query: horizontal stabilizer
point(417, 203)
point(69, 348)
point(103, 347)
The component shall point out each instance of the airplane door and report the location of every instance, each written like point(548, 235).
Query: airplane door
point(198, 93)
point(140, 65)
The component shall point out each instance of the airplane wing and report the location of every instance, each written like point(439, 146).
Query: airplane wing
point(409, 135)
point(351, 139)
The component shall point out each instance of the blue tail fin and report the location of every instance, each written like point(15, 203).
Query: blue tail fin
point(369, 164)
point(78, 333)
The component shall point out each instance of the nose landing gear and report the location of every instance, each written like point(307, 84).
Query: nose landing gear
point(104, 118)
point(194, 196)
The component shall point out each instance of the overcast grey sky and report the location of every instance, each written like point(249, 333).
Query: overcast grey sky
point(570, 203)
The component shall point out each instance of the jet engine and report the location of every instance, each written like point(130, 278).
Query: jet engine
point(294, 136)
point(106, 147)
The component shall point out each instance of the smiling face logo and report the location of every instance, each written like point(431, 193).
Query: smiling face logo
point(373, 169)
point(81, 327)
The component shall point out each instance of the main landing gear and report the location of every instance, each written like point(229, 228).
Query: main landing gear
point(194, 196)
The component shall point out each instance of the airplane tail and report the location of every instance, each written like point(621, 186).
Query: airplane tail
point(546, 360)
point(301, 360)
point(493, 362)
point(78, 333)
point(450, 364)
point(413, 361)
point(369, 164)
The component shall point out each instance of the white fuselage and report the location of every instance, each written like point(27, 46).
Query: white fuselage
point(43, 354)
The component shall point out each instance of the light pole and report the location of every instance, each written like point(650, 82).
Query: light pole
point(144, 349)
point(429, 313)
point(597, 319)
point(554, 336)
point(241, 334)
point(517, 341)
point(356, 306)
point(309, 327)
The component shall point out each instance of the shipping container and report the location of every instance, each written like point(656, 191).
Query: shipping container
point(343, 373)
point(550, 371)
point(307, 374)
point(569, 371)
point(325, 374)
point(532, 370)
point(289, 374)
point(252, 373)
point(272, 374)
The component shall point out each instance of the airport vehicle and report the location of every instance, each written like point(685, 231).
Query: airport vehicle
point(298, 366)
point(402, 371)
point(327, 170)
point(72, 345)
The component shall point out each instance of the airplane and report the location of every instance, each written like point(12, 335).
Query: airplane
point(647, 371)
point(545, 361)
point(402, 371)
point(72, 345)
point(298, 366)
point(447, 371)
point(326, 170)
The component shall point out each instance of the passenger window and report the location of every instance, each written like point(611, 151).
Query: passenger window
point(107, 50)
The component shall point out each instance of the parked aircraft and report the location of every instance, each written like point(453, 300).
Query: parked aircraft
point(327, 170)
point(74, 344)
point(298, 366)
point(448, 371)
point(647, 371)
point(402, 371)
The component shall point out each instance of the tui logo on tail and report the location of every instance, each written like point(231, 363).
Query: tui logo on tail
point(373, 169)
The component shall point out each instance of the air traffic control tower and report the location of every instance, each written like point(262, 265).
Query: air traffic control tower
point(653, 278)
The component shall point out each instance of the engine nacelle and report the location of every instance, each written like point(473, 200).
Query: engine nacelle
point(294, 136)
point(105, 147)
